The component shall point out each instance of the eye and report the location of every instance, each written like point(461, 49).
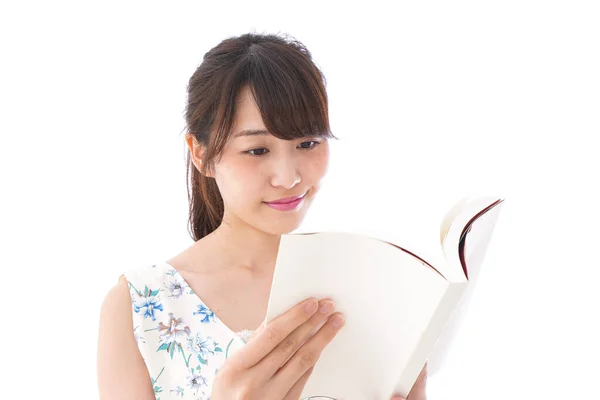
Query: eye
point(262, 151)
point(253, 150)
point(311, 147)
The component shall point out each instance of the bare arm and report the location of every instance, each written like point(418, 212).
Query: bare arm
point(122, 373)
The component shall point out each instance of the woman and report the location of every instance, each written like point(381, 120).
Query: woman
point(257, 131)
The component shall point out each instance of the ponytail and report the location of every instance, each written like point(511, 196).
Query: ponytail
point(205, 203)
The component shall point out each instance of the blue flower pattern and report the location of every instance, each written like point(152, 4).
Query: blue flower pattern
point(182, 342)
point(147, 302)
point(206, 316)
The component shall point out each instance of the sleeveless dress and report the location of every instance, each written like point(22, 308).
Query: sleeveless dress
point(182, 342)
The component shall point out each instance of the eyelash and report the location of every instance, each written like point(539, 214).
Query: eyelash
point(249, 152)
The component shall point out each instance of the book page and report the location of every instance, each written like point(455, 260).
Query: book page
point(412, 223)
point(387, 296)
point(476, 244)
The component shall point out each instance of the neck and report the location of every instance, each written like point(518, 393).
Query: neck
point(244, 246)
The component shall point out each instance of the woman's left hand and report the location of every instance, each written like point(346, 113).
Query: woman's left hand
point(418, 390)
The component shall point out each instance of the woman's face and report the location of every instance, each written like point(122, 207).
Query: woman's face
point(260, 168)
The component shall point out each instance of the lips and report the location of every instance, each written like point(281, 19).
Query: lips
point(287, 200)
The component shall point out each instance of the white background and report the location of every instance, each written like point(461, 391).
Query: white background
point(431, 101)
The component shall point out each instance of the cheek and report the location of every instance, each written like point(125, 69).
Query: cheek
point(319, 164)
point(239, 186)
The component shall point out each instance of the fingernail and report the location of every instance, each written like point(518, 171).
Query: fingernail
point(311, 307)
point(326, 306)
point(337, 320)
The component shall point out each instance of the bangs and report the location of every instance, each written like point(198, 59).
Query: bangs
point(289, 91)
point(291, 98)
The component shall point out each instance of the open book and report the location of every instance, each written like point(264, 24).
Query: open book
point(401, 308)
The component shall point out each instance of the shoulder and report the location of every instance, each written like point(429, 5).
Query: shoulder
point(121, 367)
point(115, 313)
point(140, 296)
point(117, 296)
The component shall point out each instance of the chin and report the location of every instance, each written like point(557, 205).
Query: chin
point(276, 222)
point(281, 223)
point(282, 226)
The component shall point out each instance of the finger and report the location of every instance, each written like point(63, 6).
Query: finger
point(273, 333)
point(418, 391)
point(296, 390)
point(269, 365)
point(307, 356)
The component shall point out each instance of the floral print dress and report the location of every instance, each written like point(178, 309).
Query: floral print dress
point(181, 340)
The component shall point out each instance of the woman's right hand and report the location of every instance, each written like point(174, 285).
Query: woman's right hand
point(259, 369)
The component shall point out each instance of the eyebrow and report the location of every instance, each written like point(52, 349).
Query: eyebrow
point(251, 132)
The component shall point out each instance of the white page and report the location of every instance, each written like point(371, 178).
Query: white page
point(476, 245)
point(364, 360)
point(409, 219)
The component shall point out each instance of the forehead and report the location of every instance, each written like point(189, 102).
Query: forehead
point(247, 119)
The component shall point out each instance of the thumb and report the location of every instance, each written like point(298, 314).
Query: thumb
point(262, 324)
point(261, 327)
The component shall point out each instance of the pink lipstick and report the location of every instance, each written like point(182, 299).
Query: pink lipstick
point(286, 204)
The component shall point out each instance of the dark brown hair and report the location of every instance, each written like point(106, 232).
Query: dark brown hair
point(289, 90)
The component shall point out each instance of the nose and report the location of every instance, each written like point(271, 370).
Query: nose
point(285, 172)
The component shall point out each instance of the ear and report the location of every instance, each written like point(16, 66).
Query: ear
point(197, 152)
